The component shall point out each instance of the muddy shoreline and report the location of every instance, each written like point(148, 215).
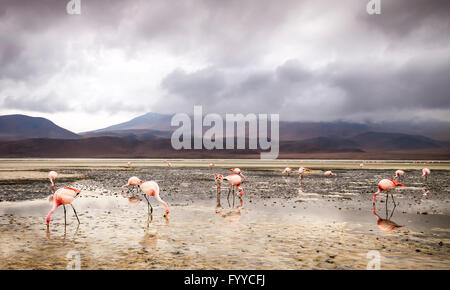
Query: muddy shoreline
point(327, 223)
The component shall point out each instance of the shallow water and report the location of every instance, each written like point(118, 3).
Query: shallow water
point(327, 223)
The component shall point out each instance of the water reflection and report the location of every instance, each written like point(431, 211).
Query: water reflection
point(232, 214)
point(386, 224)
point(150, 239)
point(301, 190)
point(133, 200)
point(75, 233)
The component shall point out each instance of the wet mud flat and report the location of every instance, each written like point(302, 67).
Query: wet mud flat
point(327, 223)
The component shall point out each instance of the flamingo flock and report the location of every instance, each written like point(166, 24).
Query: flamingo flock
point(236, 179)
point(66, 195)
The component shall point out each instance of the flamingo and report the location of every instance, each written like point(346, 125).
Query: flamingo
point(398, 174)
point(151, 188)
point(287, 170)
point(235, 180)
point(425, 173)
point(301, 171)
point(62, 197)
point(52, 176)
point(129, 164)
point(238, 172)
point(329, 173)
point(386, 185)
point(219, 179)
point(132, 181)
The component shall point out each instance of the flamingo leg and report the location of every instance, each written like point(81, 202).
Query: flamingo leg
point(392, 213)
point(149, 220)
point(149, 206)
point(387, 199)
point(393, 198)
point(234, 195)
point(75, 212)
point(228, 196)
point(218, 194)
point(65, 222)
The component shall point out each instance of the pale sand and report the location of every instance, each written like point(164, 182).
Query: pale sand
point(121, 164)
point(325, 224)
point(117, 235)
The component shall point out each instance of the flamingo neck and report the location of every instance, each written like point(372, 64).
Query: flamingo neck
point(55, 206)
point(162, 202)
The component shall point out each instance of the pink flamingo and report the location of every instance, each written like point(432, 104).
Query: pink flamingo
point(134, 182)
point(238, 172)
point(219, 179)
point(302, 171)
point(62, 197)
point(52, 176)
point(425, 173)
point(235, 180)
point(398, 174)
point(287, 170)
point(151, 188)
point(329, 173)
point(386, 185)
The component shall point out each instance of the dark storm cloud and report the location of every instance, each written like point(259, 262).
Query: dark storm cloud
point(412, 19)
point(318, 60)
point(339, 90)
point(45, 104)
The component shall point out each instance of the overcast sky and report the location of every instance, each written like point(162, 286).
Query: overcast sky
point(306, 60)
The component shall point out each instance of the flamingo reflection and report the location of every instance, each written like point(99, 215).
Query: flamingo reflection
point(150, 239)
point(386, 224)
point(231, 214)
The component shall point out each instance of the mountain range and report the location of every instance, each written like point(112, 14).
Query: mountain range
point(149, 135)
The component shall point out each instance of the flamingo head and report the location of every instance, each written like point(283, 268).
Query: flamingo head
point(236, 170)
point(241, 192)
point(218, 178)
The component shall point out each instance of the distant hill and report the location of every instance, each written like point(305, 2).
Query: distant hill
point(395, 141)
point(141, 134)
point(149, 121)
point(17, 127)
point(373, 145)
point(289, 131)
point(149, 136)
